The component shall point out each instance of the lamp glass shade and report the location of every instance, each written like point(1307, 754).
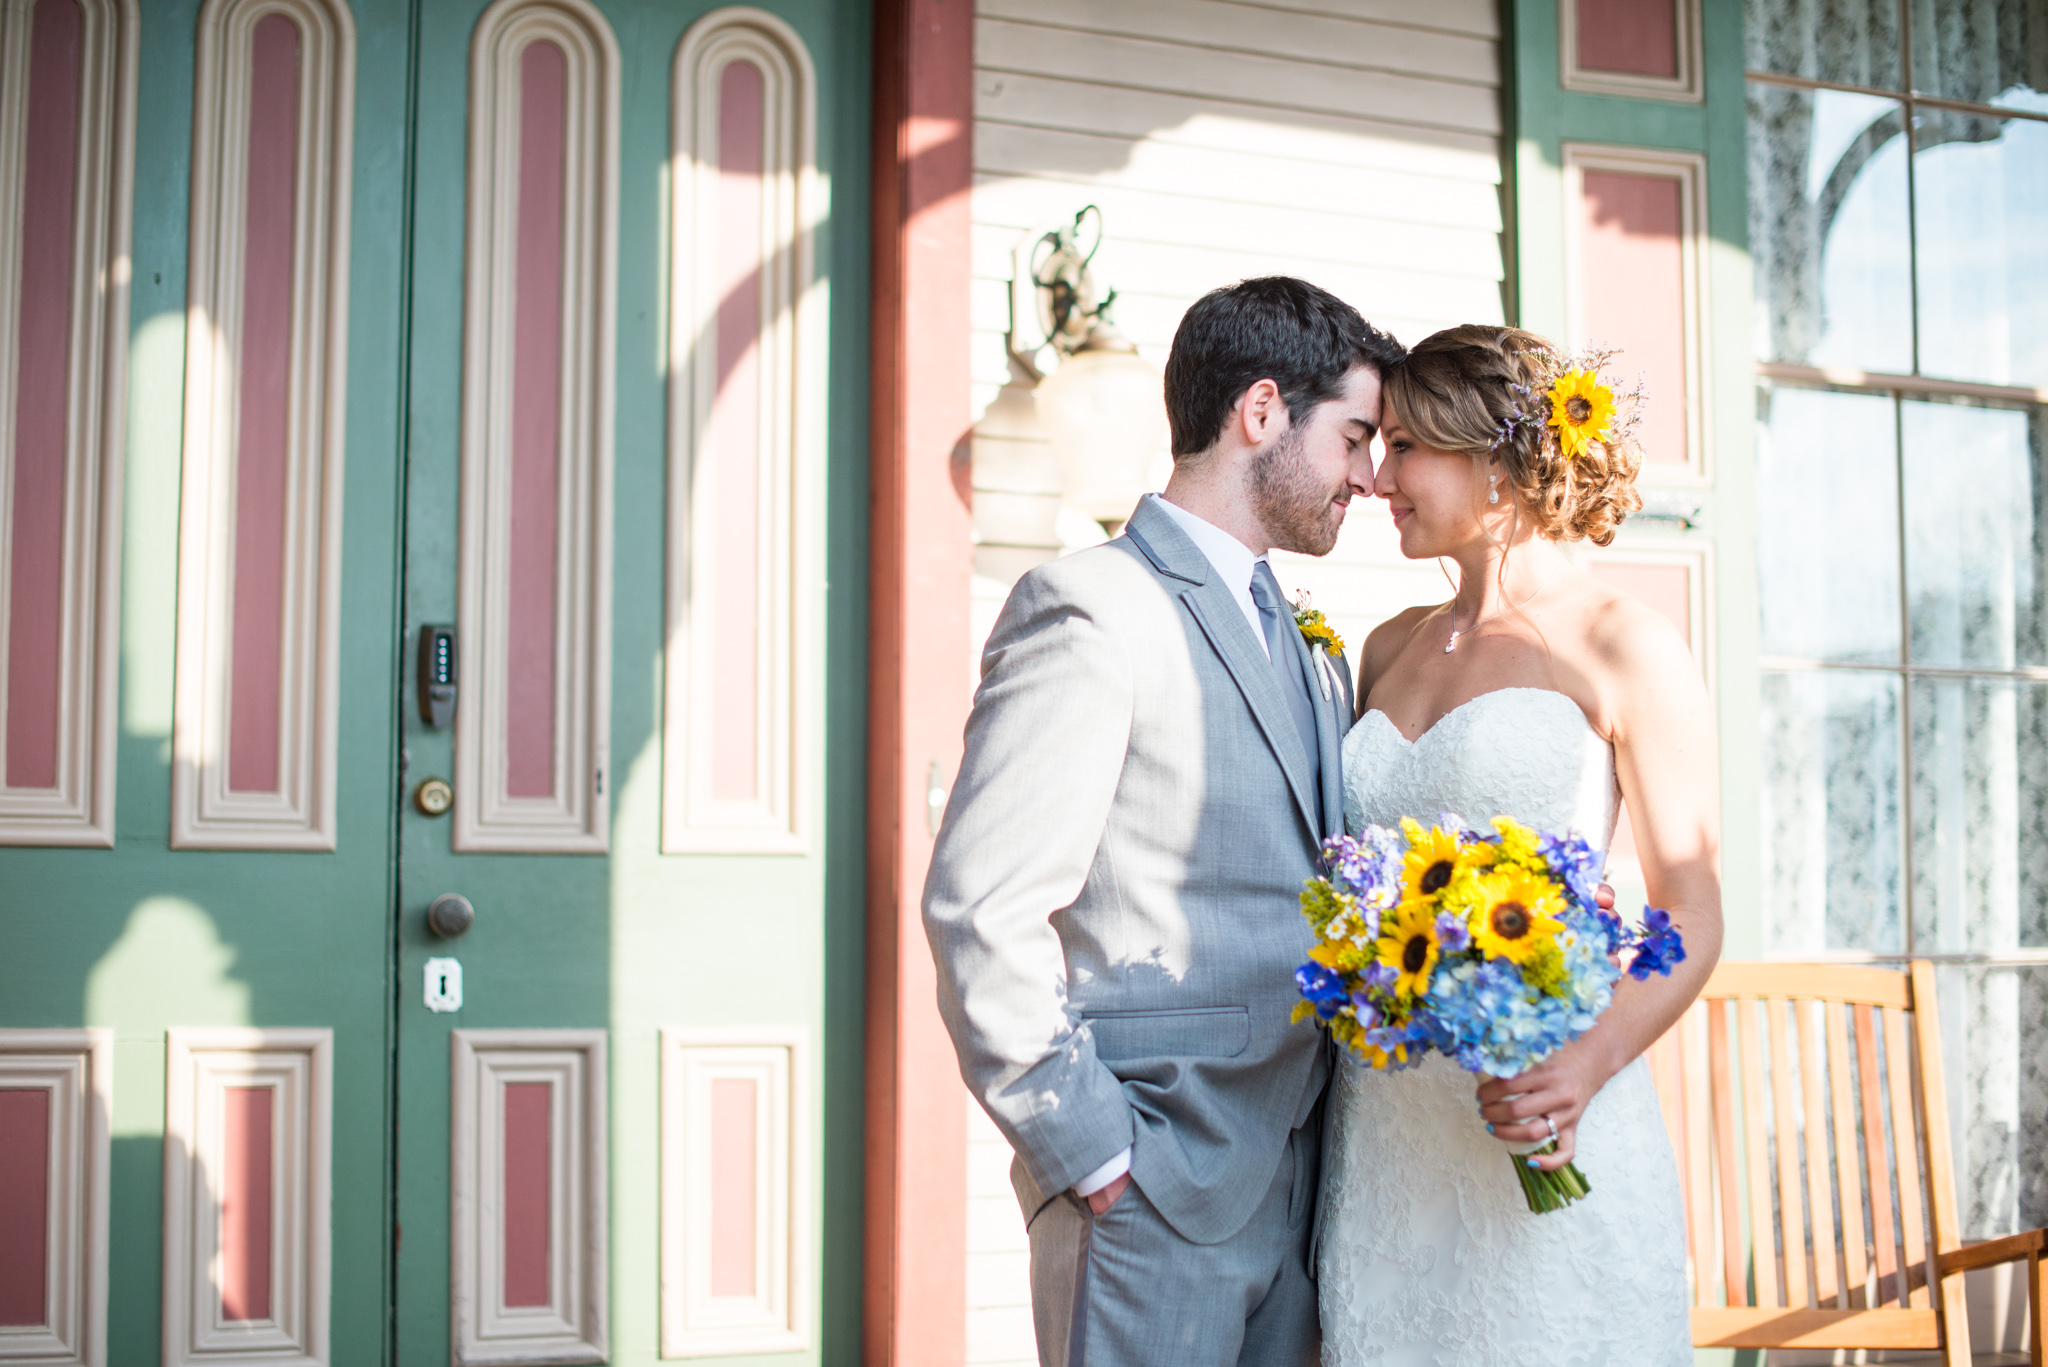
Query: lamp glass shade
point(1105, 410)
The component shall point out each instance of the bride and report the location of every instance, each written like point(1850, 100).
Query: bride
point(1536, 692)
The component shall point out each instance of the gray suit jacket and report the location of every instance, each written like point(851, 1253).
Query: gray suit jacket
point(1113, 902)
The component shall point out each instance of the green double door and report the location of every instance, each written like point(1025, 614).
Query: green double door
point(654, 903)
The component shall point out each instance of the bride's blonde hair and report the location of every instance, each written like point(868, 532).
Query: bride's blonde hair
point(1475, 388)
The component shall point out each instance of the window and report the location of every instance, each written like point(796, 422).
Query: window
point(1898, 219)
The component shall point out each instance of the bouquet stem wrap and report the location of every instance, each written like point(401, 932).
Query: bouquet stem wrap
point(1549, 1190)
point(1491, 949)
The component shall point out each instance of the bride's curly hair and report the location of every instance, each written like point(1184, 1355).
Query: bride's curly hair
point(1475, 389)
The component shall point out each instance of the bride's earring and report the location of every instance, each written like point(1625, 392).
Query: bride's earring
point(1492, 493)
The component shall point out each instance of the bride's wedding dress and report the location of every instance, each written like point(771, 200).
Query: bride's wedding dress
point(1429, 1253)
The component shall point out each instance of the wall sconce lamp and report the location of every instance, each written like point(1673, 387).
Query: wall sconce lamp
point(1102, 405)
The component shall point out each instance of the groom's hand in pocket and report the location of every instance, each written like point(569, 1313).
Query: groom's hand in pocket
point(1100, 1201)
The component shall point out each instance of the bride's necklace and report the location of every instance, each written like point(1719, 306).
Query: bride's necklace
point(1452, 644)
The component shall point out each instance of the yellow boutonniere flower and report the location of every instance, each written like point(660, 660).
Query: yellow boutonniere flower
point(1582, 411)
point(1314, 628)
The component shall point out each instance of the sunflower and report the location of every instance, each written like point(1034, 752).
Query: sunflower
point(1434, 858)
point(1408, 946)
point(1514, 914)
point(1581, 409)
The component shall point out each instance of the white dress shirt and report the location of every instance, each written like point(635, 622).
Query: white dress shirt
point(1235, 563)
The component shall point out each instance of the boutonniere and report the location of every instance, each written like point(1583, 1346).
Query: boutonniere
point(1316, 630)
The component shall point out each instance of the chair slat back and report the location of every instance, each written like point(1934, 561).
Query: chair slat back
point(1804, 1108)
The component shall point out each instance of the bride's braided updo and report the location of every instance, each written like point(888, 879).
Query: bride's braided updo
point(1473, 388)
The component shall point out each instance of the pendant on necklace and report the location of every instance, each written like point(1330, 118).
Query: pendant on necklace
point(1452, 644)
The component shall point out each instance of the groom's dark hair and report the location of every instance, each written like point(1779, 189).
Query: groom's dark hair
point(1275, 327)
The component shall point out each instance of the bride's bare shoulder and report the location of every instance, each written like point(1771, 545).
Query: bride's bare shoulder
point(1633, 651)
point(1383, 644)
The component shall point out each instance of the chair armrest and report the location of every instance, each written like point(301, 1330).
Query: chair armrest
point(1992, 1252)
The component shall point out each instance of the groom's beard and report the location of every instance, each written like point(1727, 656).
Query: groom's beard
point(1298, 513)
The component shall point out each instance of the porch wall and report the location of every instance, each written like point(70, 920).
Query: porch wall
point(1352, 145)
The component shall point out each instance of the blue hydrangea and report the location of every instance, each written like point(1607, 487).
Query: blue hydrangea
point(1487, 1018)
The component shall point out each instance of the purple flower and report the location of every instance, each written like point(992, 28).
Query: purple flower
point(1453, 936)
point(1576, 864)
point(1659, 946)
point(1362, 1007)
point(1322, 987)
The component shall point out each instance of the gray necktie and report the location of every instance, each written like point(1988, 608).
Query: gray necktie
point(1287, 665)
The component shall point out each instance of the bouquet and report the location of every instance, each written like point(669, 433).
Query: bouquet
point(1490, 949)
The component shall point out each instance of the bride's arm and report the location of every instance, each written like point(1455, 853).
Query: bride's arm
point(1667, 762)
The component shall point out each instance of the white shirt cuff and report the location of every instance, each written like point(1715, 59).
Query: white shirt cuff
point(1104, 1175)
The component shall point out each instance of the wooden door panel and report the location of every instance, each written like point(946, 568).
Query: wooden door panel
point(584, 921)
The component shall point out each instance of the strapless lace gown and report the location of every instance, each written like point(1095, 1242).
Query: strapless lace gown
point(1429, 1252)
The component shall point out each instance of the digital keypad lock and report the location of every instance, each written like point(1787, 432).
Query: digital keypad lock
point(437, 676)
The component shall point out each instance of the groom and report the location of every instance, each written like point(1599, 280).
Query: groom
point(1151, 767)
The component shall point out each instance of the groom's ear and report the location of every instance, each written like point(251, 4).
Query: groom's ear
point(1260, 413)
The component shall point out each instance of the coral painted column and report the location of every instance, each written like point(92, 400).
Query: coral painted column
point(916, 1219)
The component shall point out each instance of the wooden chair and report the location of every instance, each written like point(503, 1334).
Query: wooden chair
point(1805, 1103)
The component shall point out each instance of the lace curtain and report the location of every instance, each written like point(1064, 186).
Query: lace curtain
point(1903, 537)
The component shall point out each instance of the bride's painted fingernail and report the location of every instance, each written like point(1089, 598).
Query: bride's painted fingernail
point(1489, 1129)
point(1534, 1164)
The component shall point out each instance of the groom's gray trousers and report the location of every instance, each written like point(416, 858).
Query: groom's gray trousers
point(1123, 1288)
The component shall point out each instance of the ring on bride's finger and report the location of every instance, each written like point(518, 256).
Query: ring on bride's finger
point(1553, 1127)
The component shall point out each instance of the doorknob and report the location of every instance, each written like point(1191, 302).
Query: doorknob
point(449, 915)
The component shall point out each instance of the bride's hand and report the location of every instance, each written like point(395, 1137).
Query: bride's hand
point(1559, 1087)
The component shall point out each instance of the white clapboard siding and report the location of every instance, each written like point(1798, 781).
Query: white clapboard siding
point(1355, 143)
point(1282, 82)
point(1351, 41)
point(998, 1253)
point(1277, 179)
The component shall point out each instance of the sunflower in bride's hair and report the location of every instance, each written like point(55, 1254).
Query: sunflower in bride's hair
point(1489, 948)
point(1581, 409)
point(1574, 405)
